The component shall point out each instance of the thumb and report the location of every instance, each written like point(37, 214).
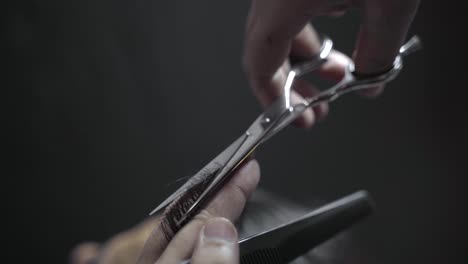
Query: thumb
point(217, 243)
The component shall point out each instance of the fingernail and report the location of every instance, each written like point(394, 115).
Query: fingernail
point(220, 229)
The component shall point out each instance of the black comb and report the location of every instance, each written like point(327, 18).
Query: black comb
point(287, 242)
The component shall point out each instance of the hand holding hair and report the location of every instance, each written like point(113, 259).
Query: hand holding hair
point(228, 203)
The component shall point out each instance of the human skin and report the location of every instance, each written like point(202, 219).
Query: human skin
point(276, 29)
point(146, 243)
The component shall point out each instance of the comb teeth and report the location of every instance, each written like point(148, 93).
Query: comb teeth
point(264, 255)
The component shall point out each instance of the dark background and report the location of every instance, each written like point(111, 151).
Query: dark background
point(108, 101)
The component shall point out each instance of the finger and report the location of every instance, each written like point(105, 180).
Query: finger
point(372, 92)
point(307, 118)
point(267, 90)
point(228, 203)
point(125, 247)
point(272, 27)
point(307, 90)
point(307, 43)
point(85, 253)
point(217, 243)
point(333, 70)
point(383, 31)
point(268, 80)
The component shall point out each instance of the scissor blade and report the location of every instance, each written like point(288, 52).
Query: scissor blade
point(215, 164)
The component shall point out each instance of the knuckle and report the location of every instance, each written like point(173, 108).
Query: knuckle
point(202, 216)
point(240, 194)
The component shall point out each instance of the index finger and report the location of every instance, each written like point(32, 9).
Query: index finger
point(271, 27)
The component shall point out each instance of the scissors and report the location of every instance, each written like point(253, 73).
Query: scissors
point(276, 117)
